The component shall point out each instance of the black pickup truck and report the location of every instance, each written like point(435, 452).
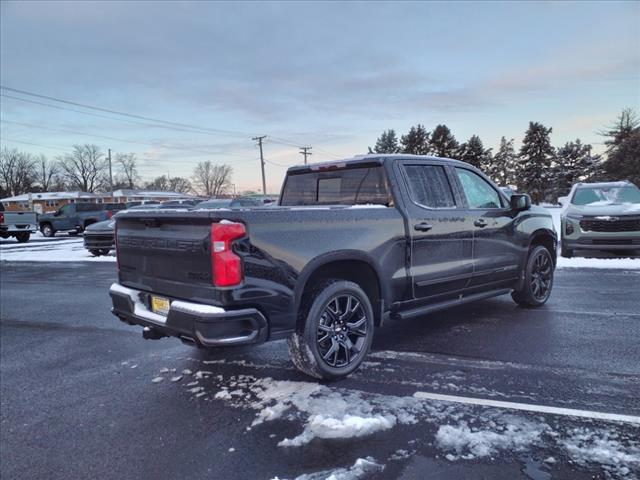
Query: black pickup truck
point(352, 244)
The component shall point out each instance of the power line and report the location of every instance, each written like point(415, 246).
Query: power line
point(126, 114)
point(170, 147)
point(174, 125)
point(58, 107)
point(4, 139)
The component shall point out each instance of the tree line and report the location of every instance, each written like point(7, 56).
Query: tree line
point(538, 168)
point(86, 169)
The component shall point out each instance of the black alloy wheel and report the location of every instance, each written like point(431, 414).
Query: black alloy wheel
point(342, 331)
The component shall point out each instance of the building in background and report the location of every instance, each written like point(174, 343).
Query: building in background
point(50, 201)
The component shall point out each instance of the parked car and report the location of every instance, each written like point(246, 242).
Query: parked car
point(352, 244)
point(99, 237)
point(600, 216)
point(19, 225)
point(75, 217)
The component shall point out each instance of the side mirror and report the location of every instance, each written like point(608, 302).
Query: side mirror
point(520, 202)
point(57, 213)
point(563, 200)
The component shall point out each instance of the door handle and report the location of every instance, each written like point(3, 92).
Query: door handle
point(422, 227)
point(481, 222)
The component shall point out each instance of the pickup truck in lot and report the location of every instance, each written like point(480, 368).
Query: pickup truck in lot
point(17, 224)
point(75, 217)
point(351, 245)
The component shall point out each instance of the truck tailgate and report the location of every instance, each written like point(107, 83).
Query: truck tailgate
point(168, 253)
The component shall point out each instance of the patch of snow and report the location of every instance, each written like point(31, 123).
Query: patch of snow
point(157, 379)
point(516, 435)
point(176, 378)
point(604, 448)
point(360, 469)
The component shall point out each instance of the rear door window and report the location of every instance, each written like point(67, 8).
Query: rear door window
point(353, 186)
point(429, 186)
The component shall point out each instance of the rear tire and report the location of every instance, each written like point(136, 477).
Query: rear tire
point(337, 331)
point(538, 279)
point(23, 237)
point(95, 252)
point(104, 251)
point(47, 230)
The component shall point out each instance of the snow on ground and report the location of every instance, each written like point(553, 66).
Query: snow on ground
point(361, 468)
point(56, 249)
point(461, 432)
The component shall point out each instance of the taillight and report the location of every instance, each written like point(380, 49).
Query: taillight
point(115, 237)
point(226, 266)
point(109, 214)
point(1, 217)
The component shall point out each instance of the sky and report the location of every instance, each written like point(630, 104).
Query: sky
point(329, 75)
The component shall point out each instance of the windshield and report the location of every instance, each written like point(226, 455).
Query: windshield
point(595, 196)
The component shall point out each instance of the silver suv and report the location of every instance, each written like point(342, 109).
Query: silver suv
point(600, 216)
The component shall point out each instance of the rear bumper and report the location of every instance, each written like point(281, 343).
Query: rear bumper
point(11, 229)
point(98, 241)
point(204, 325)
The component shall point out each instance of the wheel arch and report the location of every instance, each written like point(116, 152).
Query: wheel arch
point(350, 265)
point(548, 239)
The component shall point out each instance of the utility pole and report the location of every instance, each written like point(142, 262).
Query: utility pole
point(264, 182)
point(305, 151)
point(110, 176)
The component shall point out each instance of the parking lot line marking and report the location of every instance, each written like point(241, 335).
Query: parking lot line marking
point(570, 412)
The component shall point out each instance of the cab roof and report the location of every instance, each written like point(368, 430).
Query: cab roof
point(368, 159)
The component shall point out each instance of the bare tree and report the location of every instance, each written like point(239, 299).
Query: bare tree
point(212, 180)
point(180, 185)
point(46, 173)
point(17, 171)
point(160, 183)
point(85, 168)
point(128, 166)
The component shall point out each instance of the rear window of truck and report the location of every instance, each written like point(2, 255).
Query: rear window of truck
point(352, 186)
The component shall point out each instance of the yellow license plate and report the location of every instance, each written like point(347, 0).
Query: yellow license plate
point(159, 305)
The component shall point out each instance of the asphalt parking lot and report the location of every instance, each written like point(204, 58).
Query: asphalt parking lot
point(84, 396)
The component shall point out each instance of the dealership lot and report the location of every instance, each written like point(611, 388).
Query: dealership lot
point(84, 395)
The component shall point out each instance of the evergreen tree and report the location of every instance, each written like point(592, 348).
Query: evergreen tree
point(473, 152)
point(443, 143)
point(624, 126)
point(534, 162)
point(387, 143)
point(503, 167)
point(573, 163)
point(416, 141)
point(624, 162)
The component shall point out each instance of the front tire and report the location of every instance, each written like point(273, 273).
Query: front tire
point(538, 279)
point(23, 237)
point(337, 331)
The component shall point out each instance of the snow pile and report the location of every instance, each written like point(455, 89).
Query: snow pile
point(329, 414)
point(604, 448)
point(507, 433)
point(361, 468)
